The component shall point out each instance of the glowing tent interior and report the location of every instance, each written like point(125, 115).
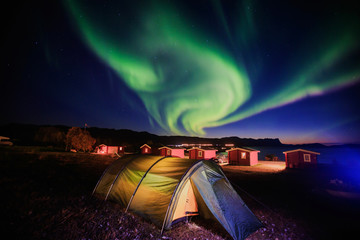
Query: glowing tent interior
point(167, 189)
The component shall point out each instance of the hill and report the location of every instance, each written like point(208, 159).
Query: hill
point(28, 134)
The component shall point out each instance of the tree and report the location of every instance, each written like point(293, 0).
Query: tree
point(79, 139)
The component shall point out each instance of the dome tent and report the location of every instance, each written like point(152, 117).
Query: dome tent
point(166, 189)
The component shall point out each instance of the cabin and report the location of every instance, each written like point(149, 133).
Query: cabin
point(202, 153)
point(243, 156)
point(104, 149)
point(172, 151)
point(149, 149)
point(145, 149)
point(300, 158)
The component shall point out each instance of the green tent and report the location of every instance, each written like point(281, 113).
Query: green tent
point(168, 189)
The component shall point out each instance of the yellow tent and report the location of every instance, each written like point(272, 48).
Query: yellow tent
point(167, 189)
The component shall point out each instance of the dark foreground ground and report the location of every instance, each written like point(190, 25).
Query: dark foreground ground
point(47, 195)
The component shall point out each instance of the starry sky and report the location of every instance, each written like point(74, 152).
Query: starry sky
point(210, 68)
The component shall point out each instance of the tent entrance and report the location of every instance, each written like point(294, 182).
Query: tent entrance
point(186, 205)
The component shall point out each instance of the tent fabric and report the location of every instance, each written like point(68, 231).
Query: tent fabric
point(164, 189)
point(186, 204)
point(240, 220)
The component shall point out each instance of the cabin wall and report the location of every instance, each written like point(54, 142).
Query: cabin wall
point(296, 160)
point(112, 149)
point(246, 161)
point(292, 160)
point(166, 152)
point(233, 159)
point(303, 164)
point(122, 149)
point(194, 154)
point(208, 154)
point(253, 158)
point(163, 151)
point(178, 153)
point(143, 151)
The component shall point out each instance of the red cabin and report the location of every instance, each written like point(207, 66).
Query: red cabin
point(104, 149)
point(145, 149)
point(173, 152)
point(300, 158)
point(243, 156)
point(202, 153)
point(150, 149)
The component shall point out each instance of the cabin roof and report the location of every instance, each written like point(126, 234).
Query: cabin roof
point(110, 145)
point(154, 145)
point(246, 149)
point(302, 150)
point(203, 149)
point(145, 145)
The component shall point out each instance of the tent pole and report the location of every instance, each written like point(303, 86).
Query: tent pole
point(97, 184)
point(132, 196)
point(112, 184)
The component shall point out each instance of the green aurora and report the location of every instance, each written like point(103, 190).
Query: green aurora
point(190, 79)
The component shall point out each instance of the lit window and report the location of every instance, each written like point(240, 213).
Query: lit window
point(200, 154)
point(168, 152)
point(243, 155)
point(145, 150)
point(120, 148)
point(307, 158)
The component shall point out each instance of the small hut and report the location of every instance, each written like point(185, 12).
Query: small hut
point(243, 156)
point(202, 153)
point(145, 149)
point(300, 158)
point(104, 149)
point(172, 151)
point(150, 149)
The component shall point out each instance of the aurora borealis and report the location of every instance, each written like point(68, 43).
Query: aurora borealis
point(176, 73)
point(204, 68)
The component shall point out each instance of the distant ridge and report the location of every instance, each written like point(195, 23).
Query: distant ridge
point(27, 134)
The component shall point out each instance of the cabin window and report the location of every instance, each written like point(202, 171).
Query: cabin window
point(145, 150)
point(120, 148)
point(307, 158)
point(200, 153)
point(243, 155)
point(168, 152)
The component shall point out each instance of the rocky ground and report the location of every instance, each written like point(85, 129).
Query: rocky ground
point(47, 195)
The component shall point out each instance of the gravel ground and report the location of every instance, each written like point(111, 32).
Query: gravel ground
point(47, 195)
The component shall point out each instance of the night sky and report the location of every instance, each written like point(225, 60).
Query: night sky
point(212, 68)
